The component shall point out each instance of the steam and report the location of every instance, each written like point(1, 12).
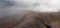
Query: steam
point(9, 8)
point(12, 8)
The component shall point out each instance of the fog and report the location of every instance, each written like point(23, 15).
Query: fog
point(35, 5)
point(9, 8)
point(39, 5)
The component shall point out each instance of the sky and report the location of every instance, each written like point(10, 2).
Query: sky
point(45, 5)
point(37, 5)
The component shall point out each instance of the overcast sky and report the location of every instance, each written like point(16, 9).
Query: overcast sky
point(44, 5)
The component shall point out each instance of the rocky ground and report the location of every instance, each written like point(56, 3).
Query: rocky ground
point(32, 19)
point(40, 20)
